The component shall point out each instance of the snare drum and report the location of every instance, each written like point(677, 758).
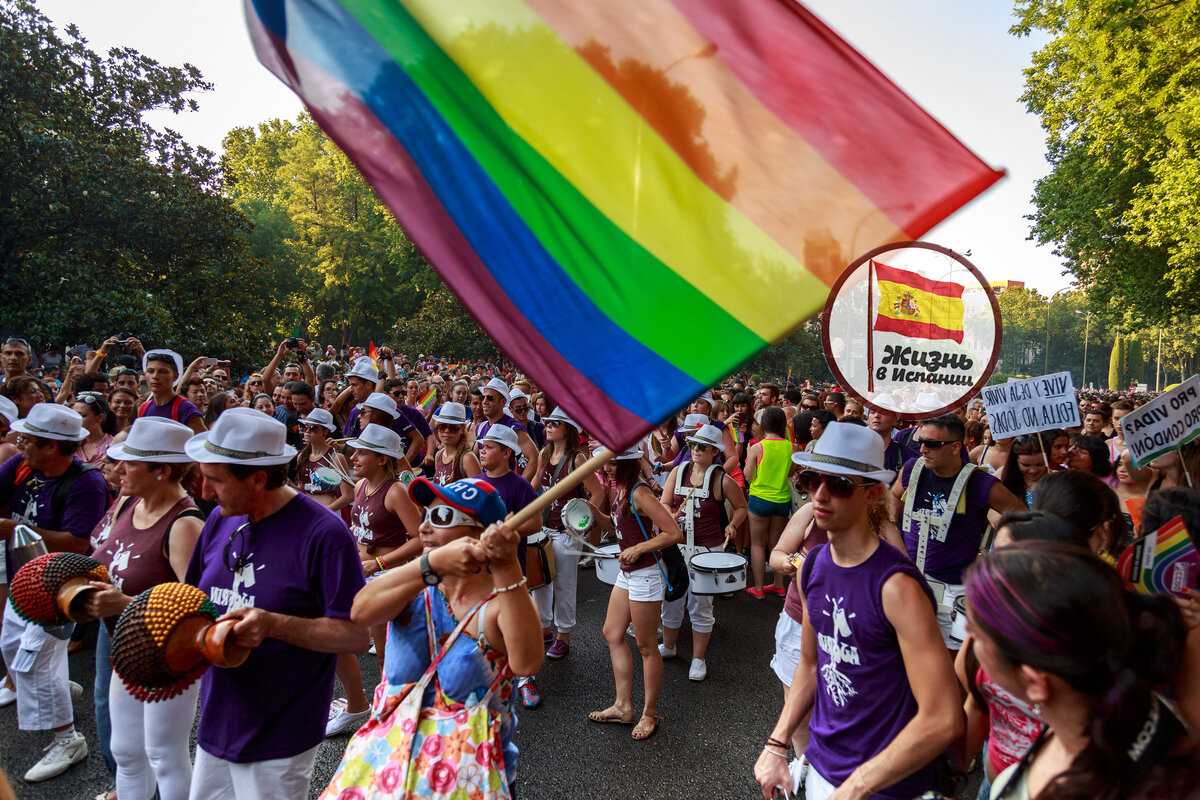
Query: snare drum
point(577, 516)
point(539, 561)
point(326, 478)
point(715, 572)
point(607, 569)
point(958, 620)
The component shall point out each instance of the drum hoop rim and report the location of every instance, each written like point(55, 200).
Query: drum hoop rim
point(717, 570)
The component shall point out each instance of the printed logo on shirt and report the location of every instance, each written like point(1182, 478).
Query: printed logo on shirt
point(120, 563)
point(242, 579)
point(838, 686)
point(937, 502)
point(362, 531)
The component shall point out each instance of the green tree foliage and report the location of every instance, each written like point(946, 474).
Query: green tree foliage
point(1135, 366)
point(338, 261)
point(1116, 365)
point(106, 223)
point(800, 353)
point(443, 327)
point(1116, 91)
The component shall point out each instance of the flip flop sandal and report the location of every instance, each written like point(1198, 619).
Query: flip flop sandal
point(598, 716)
point(643, 731)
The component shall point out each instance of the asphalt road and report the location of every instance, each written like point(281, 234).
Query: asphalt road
point(704, 749)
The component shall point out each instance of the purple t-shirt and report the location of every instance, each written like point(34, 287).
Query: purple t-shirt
point(31, 501)
point(863, 698)
point(300, 561)
point(416, 418)
point(945, 561)
point(400, 425)
point(186, 410)
point(516, 493)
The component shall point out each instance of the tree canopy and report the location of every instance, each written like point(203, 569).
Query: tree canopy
point(1116, 90)
point(107, 223)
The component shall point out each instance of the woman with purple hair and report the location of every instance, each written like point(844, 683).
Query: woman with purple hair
point(1055, 626)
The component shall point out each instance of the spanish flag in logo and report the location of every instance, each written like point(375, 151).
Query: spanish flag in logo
point(912, 305)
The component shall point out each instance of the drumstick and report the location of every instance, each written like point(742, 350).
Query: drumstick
point(569, 482)
point(592, 553)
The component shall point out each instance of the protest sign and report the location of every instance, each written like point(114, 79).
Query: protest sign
point(1166, 423)
point(912, 328)
point(1028, 406)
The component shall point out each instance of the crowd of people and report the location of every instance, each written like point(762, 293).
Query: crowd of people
point(947, 597)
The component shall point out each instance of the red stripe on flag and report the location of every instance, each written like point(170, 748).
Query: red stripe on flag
point(916, 330)
point(915, 280)
point(904, 160)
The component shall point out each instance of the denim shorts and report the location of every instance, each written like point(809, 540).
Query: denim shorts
point(765, 508)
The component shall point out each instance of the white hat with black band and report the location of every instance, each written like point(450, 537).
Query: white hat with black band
point(846, 449)
point(242, 436)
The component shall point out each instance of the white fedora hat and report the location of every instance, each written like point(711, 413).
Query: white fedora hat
point(154, 439)
point(515, 393)
point(707, 397)
point(365, 369)
point(927, 401)
point(174, 357)
point(558, 415)
point(242, 436)
point(498, 386)
point(378, 439)
point(8, 410)
point(628, 455)
point(321, 418)
point(502, 434)
point(381, 402)
point(51, 421)
point(846, 449)
point(693, 422)
point(451, 414)
point(708, 434)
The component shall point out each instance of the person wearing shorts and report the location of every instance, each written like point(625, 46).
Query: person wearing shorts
point(770, 497)
point(637, 595)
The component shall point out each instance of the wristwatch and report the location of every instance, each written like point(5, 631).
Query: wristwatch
point(430, 577)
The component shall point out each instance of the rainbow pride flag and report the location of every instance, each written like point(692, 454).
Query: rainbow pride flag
point(593, 179)
point(1164, 561)
point(427, 400)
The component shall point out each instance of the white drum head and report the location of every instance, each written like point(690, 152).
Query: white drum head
point(534, 539)
point(714, 561)
point(327, 477)
point(577, 516)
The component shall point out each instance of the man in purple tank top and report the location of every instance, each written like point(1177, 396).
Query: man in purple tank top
point(872, 670)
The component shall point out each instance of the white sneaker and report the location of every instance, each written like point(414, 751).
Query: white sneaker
point(61, 754)
point(7, 696)
point(666, 652)
point(76, 690)
point(699, 670)
point(345, 722)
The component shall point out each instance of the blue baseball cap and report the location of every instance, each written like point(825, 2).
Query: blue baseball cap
point(475, 496)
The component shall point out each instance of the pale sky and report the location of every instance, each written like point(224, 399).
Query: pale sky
point(955, 58)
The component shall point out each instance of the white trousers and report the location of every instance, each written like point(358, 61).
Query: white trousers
point(699, 608)
point(37, 663)
point(279, 779)
point(150, 743)
point(556, 602)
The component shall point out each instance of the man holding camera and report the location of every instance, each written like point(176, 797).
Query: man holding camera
point(300, 371)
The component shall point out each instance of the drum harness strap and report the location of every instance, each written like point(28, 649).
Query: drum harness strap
point(928, 519)
point(687, 510)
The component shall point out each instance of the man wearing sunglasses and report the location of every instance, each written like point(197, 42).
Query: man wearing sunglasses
point(883, 695)
point(286, 569)
point(944, 515)
point(47, 488)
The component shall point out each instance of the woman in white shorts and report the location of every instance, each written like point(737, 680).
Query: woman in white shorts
point(638, 593)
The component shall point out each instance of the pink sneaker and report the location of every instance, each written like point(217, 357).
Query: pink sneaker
point(757, 594)
point(558, 649)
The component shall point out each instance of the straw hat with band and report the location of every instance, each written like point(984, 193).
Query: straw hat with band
point(382, 402)
point(846, 449)
point(242, 436)
point(451, 414)
point(498, 386)
point(709, 435)
point(50, 421)
point(319, 418)
point(503, 435)
point(154, 440)
point(364, 369)
point(380, 440)
point(558, 415)
point(8, 410)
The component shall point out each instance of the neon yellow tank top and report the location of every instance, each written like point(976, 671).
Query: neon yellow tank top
point(770, 479)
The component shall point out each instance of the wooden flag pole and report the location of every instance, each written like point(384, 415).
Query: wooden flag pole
point(1186, 472)
point(1042, 447)
point(569, 482)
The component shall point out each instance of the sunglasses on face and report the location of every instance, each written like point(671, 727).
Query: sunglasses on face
point(700, 448)
point(242, 536)
point(519, 409)
point(449, 517)
point(553, 423)
point(931, 444)
point(840, 487)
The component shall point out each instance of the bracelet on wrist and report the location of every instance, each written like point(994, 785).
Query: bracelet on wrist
point(773, 741)
point(863, 781)
point(783, 755)
point(509, 588)
point(380, 563)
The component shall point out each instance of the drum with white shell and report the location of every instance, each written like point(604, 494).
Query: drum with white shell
point(715, 572)
point(577, 516)
point(607, 565)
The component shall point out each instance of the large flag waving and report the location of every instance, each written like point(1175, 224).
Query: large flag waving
point(912, 305)
point(632, 197)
